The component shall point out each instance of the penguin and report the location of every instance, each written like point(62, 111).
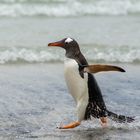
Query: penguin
point(83, 86)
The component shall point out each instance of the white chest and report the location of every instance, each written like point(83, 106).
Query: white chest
point(76, 84)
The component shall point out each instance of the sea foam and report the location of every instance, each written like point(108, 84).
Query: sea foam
point(95, 54)
point(63, 8)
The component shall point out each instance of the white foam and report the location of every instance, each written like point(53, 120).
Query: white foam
point(113, 54)
point(68, 8)
point(96, 53)
point(27, 55)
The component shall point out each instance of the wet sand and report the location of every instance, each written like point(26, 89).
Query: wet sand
point(34, 101)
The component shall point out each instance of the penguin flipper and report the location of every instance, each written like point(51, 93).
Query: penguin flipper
point(101, 68)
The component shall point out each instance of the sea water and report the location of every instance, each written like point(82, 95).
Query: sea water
point(33, 99)
point(106, 30)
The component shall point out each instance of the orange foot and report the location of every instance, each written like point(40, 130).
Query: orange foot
point(71, 125)
point(103, 121)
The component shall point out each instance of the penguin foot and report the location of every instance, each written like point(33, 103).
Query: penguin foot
point(103, 121)
point(70, 125)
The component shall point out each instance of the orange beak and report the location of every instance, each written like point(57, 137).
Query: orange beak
point(56, 44)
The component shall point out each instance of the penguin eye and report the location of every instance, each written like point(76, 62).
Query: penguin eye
point(66, 43)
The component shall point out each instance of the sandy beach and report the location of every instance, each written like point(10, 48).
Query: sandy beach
point(34, 101)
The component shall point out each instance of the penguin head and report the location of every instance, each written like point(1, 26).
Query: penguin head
point(69, 44)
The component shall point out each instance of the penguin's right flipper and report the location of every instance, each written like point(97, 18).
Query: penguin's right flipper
point(101, 68)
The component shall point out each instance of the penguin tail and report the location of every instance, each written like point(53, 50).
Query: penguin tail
point(119, 118)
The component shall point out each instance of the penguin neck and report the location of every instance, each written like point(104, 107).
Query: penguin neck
point(78, 57)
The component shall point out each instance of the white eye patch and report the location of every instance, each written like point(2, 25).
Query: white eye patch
point(68, 40)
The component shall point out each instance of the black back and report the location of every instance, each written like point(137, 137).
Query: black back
point(96, 106)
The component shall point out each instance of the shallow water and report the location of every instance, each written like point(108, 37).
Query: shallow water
point(34, 101)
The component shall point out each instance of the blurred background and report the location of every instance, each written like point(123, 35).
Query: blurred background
point(107, 30)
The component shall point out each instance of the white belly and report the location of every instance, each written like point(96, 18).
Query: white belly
point(77, 86)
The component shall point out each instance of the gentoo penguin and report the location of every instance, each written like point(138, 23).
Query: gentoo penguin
point(83, 86)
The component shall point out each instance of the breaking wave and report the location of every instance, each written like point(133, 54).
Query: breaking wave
point(96, 54)
point(64, 8)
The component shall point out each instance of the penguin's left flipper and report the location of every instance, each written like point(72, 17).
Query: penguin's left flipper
point(101, 68)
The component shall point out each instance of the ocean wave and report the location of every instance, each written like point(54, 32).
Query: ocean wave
point(64, 8)
point(94, 54)
point(122, 54)
point(27, 55)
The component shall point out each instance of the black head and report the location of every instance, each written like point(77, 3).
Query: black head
point(70, 45)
